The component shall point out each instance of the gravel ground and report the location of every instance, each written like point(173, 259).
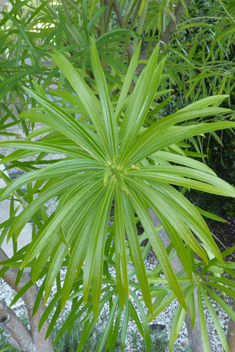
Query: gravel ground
point(164, 318)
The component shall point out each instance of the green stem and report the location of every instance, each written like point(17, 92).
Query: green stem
point(128, 15)
point(202, 69)
point(227, 13)
point(131, 27)
point(102, 31)
point(73, 35)
point(66, 10)
point(141, 24)
point(80, 12)
point(107, 20)
point(54, 13)
point(102, 18)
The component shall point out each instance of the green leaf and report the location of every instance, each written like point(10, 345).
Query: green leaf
point(94, 258)
point(179, 317)
point(221, 303)
point(120, 248)
point(215, 319)
point(182, 160)
point(210, 215)
point(183, 176)
point(153, 138)
point(158, 247)
point(64, 123)
point(159, 305)
point(127, 82)
point(144, 320)
point(61, 218)
point(37, 147)
point(135, 251)
point(108, 326)
point(125, 324)
point(86, 95)
point(62, 168)
point(95, 18)
point(115, 36)
point(141, 99)
point(108, 113)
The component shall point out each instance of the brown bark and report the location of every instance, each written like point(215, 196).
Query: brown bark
point(121, 22)
point(173, 23)
point(194, 336)
point(231, 333)
point(166, 36)
point(38, 338)
point(16, 332)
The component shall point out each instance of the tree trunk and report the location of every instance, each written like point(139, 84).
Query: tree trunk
point(17, 334)
point(179, 10)
point(231, 333)
point(165, 37)
point(195, 336)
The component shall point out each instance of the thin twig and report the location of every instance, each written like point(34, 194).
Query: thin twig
point(173, 23)
point(141, 24)
point(108, 14)
point(129, 13)
point(121, 22)
point(226, 11)
point(102, 18)
point(131, 27)
point(96, 26)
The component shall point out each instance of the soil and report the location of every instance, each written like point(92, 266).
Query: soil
point(224, 233)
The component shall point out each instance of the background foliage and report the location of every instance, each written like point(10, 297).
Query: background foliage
point(128, 148)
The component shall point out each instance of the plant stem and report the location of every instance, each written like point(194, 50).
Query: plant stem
point(131, 27)
point(128, 15)
point(16, 332)
point(226, 11)
point(54, 13)
point(173, 23)
point(66, 10)
point(38, 338)
point(121, 23)
point(80, 12)
point(141, 24)
point(108, 15)
point(102, 18)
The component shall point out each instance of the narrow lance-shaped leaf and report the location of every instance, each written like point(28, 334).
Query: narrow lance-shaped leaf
point(215, 319)
point(152, 141)
point(120, 248)
point(158, 248)
point(180, 317)
point(94, 263)
point(187, 177)
point(38, 147)
point(127, 82)
point(86, 95)
point(60, 169)
point(136, 254)
point(79, 230)
point(142, 99)
point(173, 222)
point(60, 219)
point(179, 159)
point(107, 109)
point(66, 124)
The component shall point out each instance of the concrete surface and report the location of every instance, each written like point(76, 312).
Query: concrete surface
point(25, 235)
